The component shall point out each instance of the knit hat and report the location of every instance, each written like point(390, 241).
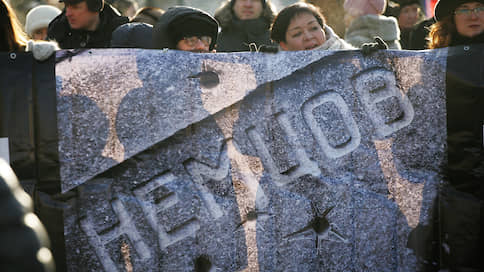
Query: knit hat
point(193, 25)
point(357, 8)
point(40, 17)
point(447, 7)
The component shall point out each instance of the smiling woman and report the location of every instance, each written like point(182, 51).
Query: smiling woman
point(459, 22)
point(301, 26)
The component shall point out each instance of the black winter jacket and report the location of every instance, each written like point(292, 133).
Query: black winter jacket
point(465, 114)
point(60, 31)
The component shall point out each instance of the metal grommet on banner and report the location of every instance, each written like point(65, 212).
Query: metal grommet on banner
point(13, 56)
point(466, 48)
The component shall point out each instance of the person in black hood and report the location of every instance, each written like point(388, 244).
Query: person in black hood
point(187, 29)
point(85, 24)
point(459, 22)
point(244, 23)
point(409, 14)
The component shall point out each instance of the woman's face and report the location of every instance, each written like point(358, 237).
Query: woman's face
point(469, 19)
point(408, 16)
point(303, 33)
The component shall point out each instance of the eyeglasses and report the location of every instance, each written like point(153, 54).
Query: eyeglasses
point(479, 11)
point(192, 41)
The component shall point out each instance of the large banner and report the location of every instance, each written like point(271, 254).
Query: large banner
point(295, 161)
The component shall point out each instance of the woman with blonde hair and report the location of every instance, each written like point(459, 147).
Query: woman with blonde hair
point(13, 38)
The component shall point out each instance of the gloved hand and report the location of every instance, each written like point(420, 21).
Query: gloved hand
point(369, 48)
point(41, 50)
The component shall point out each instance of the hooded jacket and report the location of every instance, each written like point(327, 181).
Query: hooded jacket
point(60, 31)
point(236, 35)
point(364, 28)
point(163, 36)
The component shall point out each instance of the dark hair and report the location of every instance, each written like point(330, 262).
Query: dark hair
point(12, 37)
point(285, 16)
point(92, 5)
point(441, 33)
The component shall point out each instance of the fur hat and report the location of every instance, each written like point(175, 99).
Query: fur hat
point(193, 25)
point(40, 17)
point(357, 8)
point(447, 7)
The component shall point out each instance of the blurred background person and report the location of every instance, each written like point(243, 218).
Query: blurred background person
point(334, 13)
point(418, 36)
point(244, 22)
point(38, 20)
point(365, 21)
point(409, 14)
point(301, 26)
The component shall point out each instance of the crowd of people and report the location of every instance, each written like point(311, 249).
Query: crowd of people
point(244, 25)
point(249, 25)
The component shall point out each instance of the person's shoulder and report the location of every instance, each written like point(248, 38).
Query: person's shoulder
point(58, 27)
point(113, 15)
